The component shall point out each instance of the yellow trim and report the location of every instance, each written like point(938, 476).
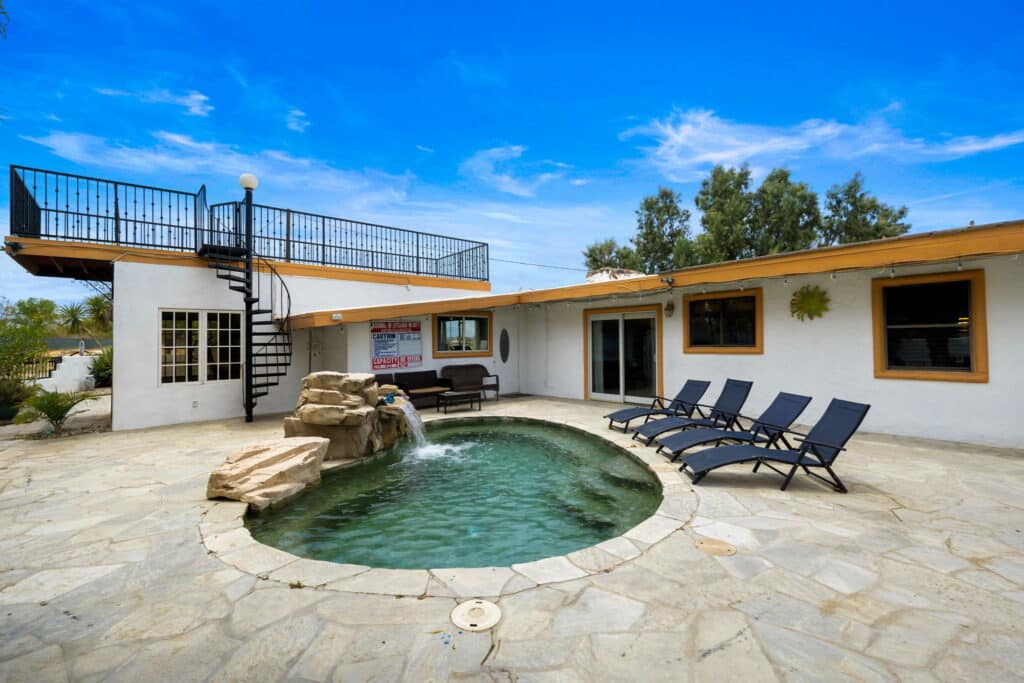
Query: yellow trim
point(988, 240)
point(757, 348)
point(659, 337)
point(87, 251)
point(979, 331)
point(489, 353)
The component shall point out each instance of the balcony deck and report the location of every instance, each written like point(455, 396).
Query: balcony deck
point(66, 225)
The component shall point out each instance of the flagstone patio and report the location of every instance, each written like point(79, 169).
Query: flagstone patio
point(917, 574)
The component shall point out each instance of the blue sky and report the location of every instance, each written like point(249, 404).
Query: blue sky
point(535, 127)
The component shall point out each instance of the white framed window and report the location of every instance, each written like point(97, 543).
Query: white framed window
point(200, 346)
point(179, 346)
point(223, 345)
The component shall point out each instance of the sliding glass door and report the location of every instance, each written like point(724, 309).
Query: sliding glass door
point(623, 357)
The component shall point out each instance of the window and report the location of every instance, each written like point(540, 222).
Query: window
point(223, 346)
point(723, 322)
point(183, 334)
point(179, 346)
point(931, 327)
point(462, 335)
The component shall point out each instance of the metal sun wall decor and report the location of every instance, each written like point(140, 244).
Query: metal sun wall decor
point(809, 302)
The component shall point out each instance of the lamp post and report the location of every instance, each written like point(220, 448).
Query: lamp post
point(249, 182)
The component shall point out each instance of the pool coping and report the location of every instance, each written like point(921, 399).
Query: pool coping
point(223, 532)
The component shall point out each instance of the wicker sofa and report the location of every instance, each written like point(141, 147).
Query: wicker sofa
point(472, 377)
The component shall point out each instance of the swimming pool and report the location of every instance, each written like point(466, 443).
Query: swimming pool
point(480, 493)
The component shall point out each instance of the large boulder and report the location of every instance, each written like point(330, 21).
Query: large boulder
point(268, 472)
point(351, 410)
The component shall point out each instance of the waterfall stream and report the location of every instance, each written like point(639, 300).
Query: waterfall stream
point(412, 417)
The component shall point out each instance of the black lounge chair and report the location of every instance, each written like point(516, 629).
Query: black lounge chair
point(722, 415)
point(818, 449)
point(767, 430)
point(684, 403)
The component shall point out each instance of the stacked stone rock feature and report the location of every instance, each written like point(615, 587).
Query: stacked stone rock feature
point(268, 472)
point(350, 410)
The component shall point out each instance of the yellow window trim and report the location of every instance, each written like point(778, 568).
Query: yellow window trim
point(588, 312)
point(979, 331)
point(756, 349)
point(489, 353)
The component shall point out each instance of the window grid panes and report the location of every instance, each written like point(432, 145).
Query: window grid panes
point(928, 326)
point(463, 333)
point(179, 346)
point(223, 346)
point(728, 322)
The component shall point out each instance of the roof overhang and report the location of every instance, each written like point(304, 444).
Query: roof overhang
point(920, 248)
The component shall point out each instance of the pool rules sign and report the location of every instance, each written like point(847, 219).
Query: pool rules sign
point(396, 344)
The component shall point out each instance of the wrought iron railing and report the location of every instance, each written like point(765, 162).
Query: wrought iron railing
point(77, 208)
point(64, 206)
point(39, 368)
point(301, 237)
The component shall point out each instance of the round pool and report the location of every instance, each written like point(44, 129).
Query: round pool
point(480, 493)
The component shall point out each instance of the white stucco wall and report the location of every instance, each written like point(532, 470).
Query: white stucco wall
point(828, 357)
point(70, 375)
point(141, 291)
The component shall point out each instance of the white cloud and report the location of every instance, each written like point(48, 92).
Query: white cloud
point(688, 143)
point(484, 167)
point(194, 102)
point(297, 120)
point(579, 182)
point(424, 148)
point(182, 154)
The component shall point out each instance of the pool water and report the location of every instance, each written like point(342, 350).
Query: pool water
point(478, 494)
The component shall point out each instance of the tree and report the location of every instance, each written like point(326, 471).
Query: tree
point(609, 254)
point(727, 204)
point(5, 19)
point(41, 313)
point(661, 223)
point(75, 320)
point(100, 311)
point(854, 215)
point(21, 342)
point(784, 216)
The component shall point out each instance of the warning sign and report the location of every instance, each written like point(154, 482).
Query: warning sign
point(396, 344)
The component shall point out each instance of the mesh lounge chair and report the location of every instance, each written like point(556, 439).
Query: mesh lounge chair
point(767, 430)
point(722, 416)
point(818, 449)
point(684, 403)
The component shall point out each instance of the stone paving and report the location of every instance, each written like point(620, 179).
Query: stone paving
point(916, 575)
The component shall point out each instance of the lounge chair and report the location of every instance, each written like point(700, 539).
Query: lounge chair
point(684, 403)
point(767, 430)
point(818, 449)
point(722, 415)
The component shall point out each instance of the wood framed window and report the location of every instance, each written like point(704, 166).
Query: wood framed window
point(463, 335)
point(724, 322)
point(931, 327)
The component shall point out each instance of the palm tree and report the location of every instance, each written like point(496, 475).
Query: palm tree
point(73, 318)
point(100, 311)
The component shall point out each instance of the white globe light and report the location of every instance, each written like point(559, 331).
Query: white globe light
point(248, 181)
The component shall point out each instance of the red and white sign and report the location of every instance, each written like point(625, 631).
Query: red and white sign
point(396, 344)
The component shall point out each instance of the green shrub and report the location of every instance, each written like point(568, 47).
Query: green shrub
point(55, 406)
point(103, 367)
point(14, 392)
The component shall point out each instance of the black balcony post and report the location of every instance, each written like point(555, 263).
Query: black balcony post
point(288, 235)
point(248, 304)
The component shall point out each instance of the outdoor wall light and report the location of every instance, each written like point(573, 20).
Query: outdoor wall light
point(670, 308)
point(248, 181)
point(335, 317)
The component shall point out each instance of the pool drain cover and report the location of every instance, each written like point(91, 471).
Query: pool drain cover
point(476, 615)
point(714, 546)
